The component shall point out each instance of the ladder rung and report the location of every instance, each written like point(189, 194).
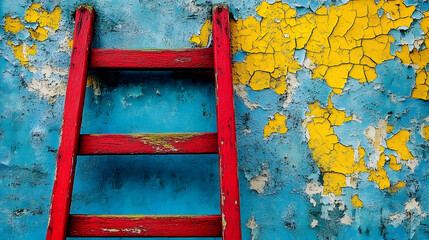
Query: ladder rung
point(147, 143)
point(144, 226)
point(152, 59)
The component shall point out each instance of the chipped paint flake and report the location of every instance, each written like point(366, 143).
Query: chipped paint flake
point(398, 143)
point(395, 188)
point(22, 51)
point(259, 182)
point(49, 89)
point(253, 226)
point(36, 14)
point(203, 39)
point(356, 202)
point(13, 25)
point(276, 125)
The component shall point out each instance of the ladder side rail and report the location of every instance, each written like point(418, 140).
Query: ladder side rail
point(229, 188)
point(72, 118)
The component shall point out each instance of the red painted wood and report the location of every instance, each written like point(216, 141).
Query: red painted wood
point(75, 95)
point(230, 204)
point(148, 143)
point(155, 59)
point(144, 226)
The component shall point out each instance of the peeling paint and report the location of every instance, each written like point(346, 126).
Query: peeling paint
point(356, 202)
point(277, 125)
point(253, 226)
point(259, 182)
point(49, 89)
point(22, 51)
point(203, 38)
point(13, 25)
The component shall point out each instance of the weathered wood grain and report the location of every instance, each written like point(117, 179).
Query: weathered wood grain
point(75, 95)
point(148, 143)
point(144, 226)
point(230, 204)
point(155, 59)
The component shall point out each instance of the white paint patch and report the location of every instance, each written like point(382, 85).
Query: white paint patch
point(193, 8)
point(346, 219)
point(412, 212)
point(247, 131)
point(421, 130)
point(376, 137)
point(414, 205)
point(258, 183)
point(47, 70)
point(312, 201)
point(314, 223)
point(309, 64)
point(411, 164)
point(304, 124)
point(396, 219)
point(49, 89)
point(32, 69)
point(356, 118)
point(64, 44)
point(313, 188)
point(292, 83)
point(242, 93)
point(253, 226)
point(418, 43)
point(352, 179)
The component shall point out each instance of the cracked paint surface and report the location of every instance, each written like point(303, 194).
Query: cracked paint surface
point(276, 125)
point(331, 115)
point(351, 42)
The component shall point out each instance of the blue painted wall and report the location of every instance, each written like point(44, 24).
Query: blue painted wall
point(284, 189)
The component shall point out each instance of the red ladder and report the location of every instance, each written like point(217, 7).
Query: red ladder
point(62, 224)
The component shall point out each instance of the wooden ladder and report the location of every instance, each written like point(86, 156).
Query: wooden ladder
point(62, 224)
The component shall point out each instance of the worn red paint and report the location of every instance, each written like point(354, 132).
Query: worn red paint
point(144, 226)
point(149, 143)
point(75, 95)
point(230, 204)
point(160, 59)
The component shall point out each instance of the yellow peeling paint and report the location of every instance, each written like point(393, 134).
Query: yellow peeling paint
point(356, 202)
point(333, 182)
point(46, 21)
point(394, 189)
point(379, 175)
point(342, 41)
point(393, 164)
point(425, 131)
point(70, 44)
point(419, 59)
point(22, 51)
point(277, 125)
point(398, 143)
point(40, 33)
point(337, 160)
point(36, 14)
point(203, 38)
point(331, 156)
point(13, 25)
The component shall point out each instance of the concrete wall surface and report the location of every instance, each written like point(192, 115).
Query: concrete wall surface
point(331, 104)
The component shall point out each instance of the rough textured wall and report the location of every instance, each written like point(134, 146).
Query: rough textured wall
point(331, 110)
